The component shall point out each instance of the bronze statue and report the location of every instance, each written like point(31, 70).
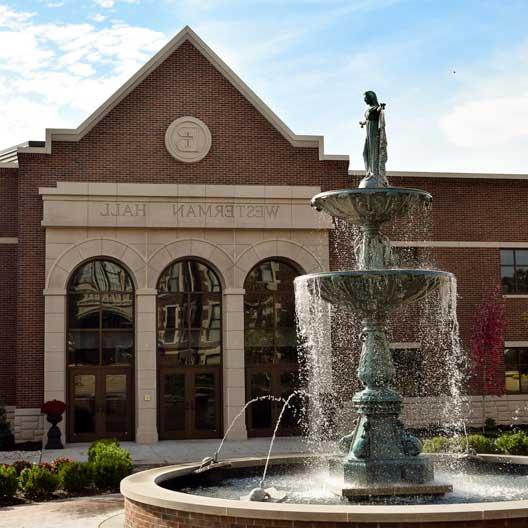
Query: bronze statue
point(375, 151)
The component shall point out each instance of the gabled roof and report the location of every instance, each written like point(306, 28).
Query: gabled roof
point(186, 34)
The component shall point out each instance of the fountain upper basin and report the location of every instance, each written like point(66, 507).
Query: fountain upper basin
point(374, 291)
point(371, 206)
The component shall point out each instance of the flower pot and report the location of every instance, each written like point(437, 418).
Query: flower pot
point(54, 433)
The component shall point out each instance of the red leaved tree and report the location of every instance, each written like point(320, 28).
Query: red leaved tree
point(487, 343)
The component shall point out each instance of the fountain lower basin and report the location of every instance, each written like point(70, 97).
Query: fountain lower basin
point(371, 206)
point(374, 291)
point(147, 498)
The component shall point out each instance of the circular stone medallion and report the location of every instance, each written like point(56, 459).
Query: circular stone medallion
point(188, 139)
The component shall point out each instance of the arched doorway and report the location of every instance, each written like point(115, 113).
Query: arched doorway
point(100, 352)
point(189, 321)
point(270, 345)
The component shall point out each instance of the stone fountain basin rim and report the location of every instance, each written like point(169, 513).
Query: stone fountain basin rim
point(375, 190)
point(375, 272)
point(143, 488)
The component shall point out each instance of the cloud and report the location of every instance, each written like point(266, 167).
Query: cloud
point(106, 4)
point(53, 75)
point(98, 17)
point(487, 122)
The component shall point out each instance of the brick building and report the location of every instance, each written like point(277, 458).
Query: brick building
point(147, 257)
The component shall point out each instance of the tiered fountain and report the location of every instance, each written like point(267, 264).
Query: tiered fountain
point(381, 457)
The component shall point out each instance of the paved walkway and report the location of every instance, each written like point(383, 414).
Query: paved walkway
point(90, 512)
point(168, 451)
point(87, 512)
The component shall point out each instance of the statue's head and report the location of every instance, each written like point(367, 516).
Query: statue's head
point(371, 98)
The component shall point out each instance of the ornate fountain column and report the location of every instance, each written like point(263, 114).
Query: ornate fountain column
point(380, 456)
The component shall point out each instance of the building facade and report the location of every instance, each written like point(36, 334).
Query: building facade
point(147, 259)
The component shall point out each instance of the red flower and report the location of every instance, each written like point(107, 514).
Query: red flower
point(53, 407)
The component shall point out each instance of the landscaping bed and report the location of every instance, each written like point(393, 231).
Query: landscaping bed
point(107, 465)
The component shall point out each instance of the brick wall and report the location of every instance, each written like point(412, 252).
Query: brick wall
point(8, 202)
point(128, 146)
point(8, 269)
point(138, 515)
point(8, 273)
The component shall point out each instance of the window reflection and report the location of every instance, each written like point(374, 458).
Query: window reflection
point(269, 314)
point(516, 370)
point(190, 314)
point(514, 271)
point(100, 315)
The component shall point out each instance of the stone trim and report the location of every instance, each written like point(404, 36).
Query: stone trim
point(8, 240)
point(458, 244)
point(455, 175)
point(76, 254)
point(216, 256)
point(279, 248)
point(186, 34)
point(514, 344)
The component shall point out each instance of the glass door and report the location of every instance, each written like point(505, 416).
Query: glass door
point(262, 415)
point(100, 404)
point(190, 403)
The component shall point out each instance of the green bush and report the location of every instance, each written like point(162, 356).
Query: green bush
point(475, 442)
point(437, 444)
point(8, 481)
point(96, 446)
point(513, 444)
point(38, 483)
point(459, 444)
point(20, 465)
point(75, 477)
point(110, 465)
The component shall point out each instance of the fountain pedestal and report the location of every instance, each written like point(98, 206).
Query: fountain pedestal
point(380, 457)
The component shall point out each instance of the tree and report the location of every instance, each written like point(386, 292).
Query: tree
point(487, 344)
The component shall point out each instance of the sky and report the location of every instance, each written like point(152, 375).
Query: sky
point(453, 73)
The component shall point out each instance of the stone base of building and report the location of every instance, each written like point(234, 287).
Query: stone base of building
point(28, 425)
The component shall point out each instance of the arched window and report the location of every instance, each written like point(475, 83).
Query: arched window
point(270, 343)
point(189, 350)
point(100, 350)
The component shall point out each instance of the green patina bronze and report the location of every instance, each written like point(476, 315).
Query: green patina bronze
point(379, 451)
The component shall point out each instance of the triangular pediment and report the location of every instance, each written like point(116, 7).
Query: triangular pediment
point(186, 34)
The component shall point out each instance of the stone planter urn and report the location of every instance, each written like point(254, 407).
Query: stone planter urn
point(53, 410)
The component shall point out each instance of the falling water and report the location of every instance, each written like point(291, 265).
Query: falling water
point(277, 425)
point(241, 412)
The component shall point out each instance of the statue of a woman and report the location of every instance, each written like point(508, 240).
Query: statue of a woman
point(375, 151)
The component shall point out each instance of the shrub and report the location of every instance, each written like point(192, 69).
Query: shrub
point(57, 464)
point(459, 444)
point(38, 483)
point(437, 444)
point(478, 443)
point(75, 477)
point(48, 466)
point(110, 465)
point(513, 444)
point(8, 481)
point(100, 444)
point(20, 465)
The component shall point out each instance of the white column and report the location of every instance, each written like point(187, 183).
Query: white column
point(233, 362)
point(55, 352)
point(146, 367)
